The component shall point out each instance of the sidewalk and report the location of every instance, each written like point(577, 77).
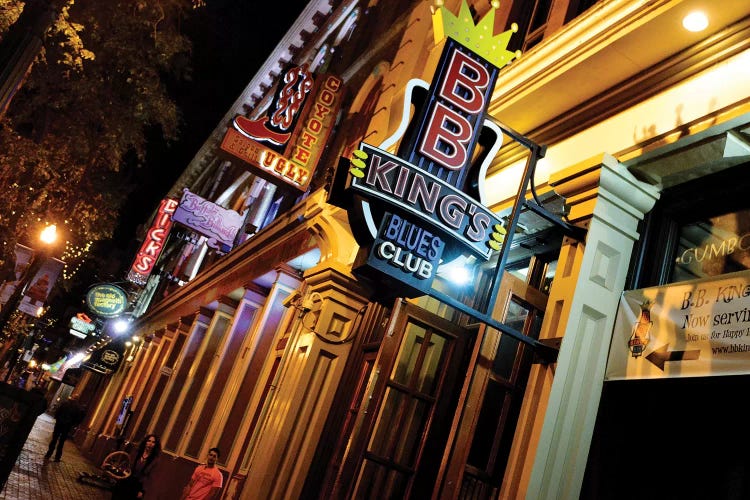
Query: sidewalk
point(35, 478)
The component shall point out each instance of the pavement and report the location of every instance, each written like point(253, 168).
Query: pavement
point(35, 478)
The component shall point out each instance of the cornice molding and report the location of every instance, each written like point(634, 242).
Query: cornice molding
point(522, 77)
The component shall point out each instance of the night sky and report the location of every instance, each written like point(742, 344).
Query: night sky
point(231, 39)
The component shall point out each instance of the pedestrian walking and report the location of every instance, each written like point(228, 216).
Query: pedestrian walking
point(142, 471)
point(67, 417)
point(206, 481)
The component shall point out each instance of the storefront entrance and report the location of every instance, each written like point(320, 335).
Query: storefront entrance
point(414, 392)
point(440, 410)
point(674, 438)
point(678, 437)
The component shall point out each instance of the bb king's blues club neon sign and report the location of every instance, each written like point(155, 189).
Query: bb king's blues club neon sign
point(421, 198)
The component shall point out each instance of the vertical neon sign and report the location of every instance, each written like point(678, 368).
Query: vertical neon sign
point(423, 195)
point(153, 244)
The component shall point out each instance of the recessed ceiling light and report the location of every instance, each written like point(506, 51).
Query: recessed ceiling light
point(695, 21)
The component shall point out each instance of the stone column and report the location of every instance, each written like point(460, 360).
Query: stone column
point(602, 193)
point(313, 364)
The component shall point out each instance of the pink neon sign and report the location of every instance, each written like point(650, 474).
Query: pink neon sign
point(153, 244)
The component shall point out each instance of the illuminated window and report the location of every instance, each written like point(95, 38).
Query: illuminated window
point(713, 246)
point(539, 13)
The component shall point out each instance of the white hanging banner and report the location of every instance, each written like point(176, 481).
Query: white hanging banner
point(694, 328)
point(23, 260)
point(37, 293)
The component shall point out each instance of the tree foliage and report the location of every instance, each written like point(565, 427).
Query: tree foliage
point(77, 128)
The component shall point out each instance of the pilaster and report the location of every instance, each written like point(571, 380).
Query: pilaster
point(312, 367)
point(614, 202)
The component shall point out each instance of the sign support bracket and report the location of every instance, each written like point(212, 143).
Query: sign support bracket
point(545, 349)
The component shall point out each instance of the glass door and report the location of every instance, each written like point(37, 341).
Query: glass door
point(493, 398)
point(411, 402)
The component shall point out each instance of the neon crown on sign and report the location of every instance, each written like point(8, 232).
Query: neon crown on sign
point(479, 37)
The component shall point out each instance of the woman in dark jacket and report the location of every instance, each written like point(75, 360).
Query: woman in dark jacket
point(143, 465)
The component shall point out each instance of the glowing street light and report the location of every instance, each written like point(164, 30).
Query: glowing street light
point(120, 326)
point(49, 234)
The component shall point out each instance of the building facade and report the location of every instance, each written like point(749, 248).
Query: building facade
point(319, 380)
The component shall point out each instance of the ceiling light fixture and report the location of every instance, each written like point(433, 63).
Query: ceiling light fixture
point(695, 21)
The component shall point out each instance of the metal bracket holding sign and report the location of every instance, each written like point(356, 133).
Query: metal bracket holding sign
point(547, 352)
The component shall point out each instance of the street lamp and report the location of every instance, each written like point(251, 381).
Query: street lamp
point(48, 237)
point(49, 234)
point(120, 326)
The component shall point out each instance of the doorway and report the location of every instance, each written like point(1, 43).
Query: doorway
point(413, 395)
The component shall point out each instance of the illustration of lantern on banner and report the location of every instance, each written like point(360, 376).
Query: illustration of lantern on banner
point(641, 331)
